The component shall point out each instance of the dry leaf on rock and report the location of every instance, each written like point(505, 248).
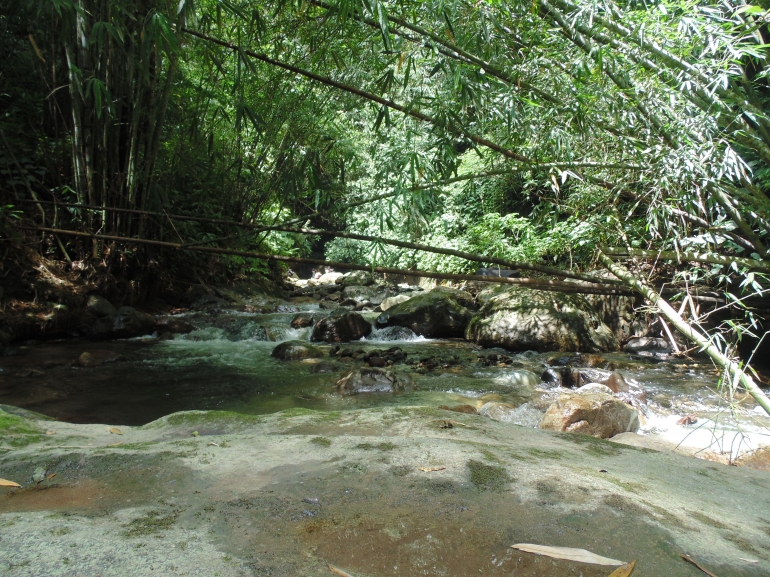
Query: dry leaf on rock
point(431, 469)
point(7, 483)
point(624, 571)
point(50, 432)
point(51, 476)
point(115, 431)
point(568, 553)
point(339, 572)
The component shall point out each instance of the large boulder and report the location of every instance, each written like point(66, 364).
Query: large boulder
point(373, 380)
point(100, 306)
point(390, 302)
point(524, 319)
point(356, 278)
point(296, 351)
point(341, 326)
point(435, 314)
point(599, 415)
point(126, 323)
point(462, 297)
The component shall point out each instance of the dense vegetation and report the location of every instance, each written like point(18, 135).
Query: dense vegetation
point(533, 131)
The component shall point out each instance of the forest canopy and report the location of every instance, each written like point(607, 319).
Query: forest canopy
point(556, 133)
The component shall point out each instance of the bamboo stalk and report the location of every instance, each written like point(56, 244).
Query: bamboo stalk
point(687, 257)
point(703, 341)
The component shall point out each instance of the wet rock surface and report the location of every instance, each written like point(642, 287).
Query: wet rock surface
point(288, 494)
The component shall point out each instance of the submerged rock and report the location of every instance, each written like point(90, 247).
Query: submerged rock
point(303, 320)
point(435, 314)
point(373, 380)
point(85, 360)
point(100, 306)
point(126, 323)
point(325, 367)
point(174, 326)
point(296, 351)
point(467, 409)
point(627, 389)
point(647, 344)
point(357, 294)
point(524, 415)
point(525, 319)
point(341, 326)
point(598, 415)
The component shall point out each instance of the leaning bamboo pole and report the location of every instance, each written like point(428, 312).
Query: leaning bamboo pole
point(703, 341)
point(533, 283)
point(705, 257)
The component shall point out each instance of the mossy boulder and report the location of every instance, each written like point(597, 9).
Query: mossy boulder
point(434, 314)
point(342, 326)
point(518, 319)
point(296, 351)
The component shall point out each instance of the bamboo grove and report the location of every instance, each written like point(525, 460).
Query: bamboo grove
point(561, 136)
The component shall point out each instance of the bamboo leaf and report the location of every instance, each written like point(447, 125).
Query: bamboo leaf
point(567, 553)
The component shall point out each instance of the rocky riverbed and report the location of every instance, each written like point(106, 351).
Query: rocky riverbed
point(309, 451)
point(389, 491)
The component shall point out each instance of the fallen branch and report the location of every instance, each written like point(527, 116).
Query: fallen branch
point(733, 368)
point(458, 253)
point(533, 283)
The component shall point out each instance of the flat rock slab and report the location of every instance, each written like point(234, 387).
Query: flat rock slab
point(285, 494)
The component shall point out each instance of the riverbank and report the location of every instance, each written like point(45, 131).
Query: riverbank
point(390, 491)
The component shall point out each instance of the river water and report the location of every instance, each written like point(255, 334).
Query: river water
point(225, 364)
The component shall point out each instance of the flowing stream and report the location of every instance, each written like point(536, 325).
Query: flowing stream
point(225, 364)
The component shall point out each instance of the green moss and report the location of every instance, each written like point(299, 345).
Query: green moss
point(706, 520)
point(17, 431)
point(210, 418)
point(488, 477)
point(151, 523)
point(490, 456)
point(596, 447)
point(297, 412)
point(380, 446)
point(132, 446)
point(546, 454)
point(326, 416)
point(321, 441)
